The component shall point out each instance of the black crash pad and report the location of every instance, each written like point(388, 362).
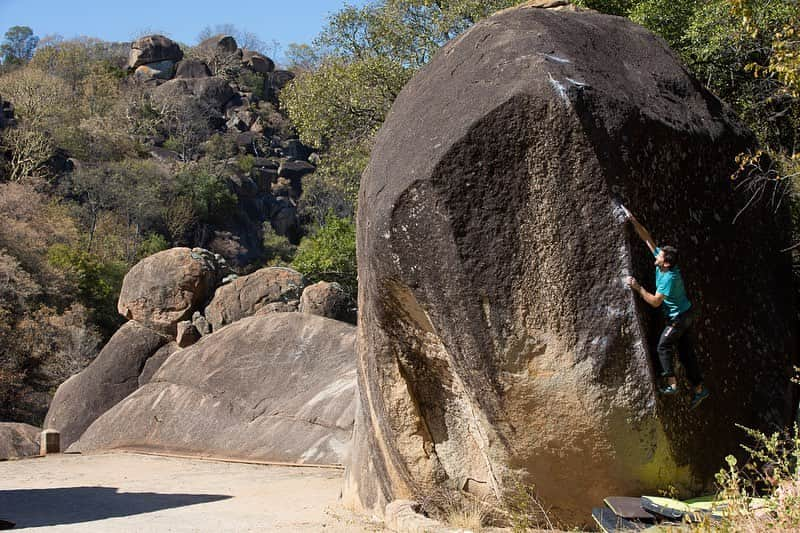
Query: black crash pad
point(611, 523)
point(628, 507)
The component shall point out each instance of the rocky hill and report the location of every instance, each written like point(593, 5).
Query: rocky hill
point(267, 191)
point(171, 146)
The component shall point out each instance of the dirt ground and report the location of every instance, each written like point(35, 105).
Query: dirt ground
point(125, 492)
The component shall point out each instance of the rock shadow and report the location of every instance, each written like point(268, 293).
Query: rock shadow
point(73, 505)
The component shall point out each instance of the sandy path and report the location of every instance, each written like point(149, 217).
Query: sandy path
point(136, 493)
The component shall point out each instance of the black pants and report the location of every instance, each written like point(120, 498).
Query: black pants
point(675, 336)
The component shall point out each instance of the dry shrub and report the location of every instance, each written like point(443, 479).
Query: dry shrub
point(521, 510)
point(524, 510)
point(39, 347)
point(469, 514)
point(32, 223)
point(459, 509)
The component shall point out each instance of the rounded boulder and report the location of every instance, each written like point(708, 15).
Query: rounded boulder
point(246, 295)
point(327, 299)
point(257, 62)
point(167, 287)
point(18, 440)
point(498, 341)
point(153, 49)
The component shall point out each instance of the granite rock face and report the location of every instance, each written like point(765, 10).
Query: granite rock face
point(108, 379)
point(211, 92)
point(18, 440)
point(497, 341)
point(155, 361)
point(279, 387)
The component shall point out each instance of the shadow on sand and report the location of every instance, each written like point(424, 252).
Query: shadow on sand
point(71, 505)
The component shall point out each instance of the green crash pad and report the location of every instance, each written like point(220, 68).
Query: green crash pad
point(718, 508)
point(680, 511)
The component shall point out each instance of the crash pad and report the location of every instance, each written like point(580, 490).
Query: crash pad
point(672, 509)
point(628, 507)
point(611, 523)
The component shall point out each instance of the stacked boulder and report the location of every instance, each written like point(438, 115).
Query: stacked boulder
point(212, 363)
point(154, 56)
point(498, 341)
point(271, 189)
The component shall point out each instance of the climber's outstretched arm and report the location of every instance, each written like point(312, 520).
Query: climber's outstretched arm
point(642, 232)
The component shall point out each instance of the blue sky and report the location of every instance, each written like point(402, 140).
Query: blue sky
point(114, 20)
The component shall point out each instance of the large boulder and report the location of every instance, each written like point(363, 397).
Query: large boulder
point(162, 70)
point(274, 82)
point(257, 62)
point(283, 215)
point(245, 295)
point(295, 170)
point(213, 92)
point(167, 287)
point(329, 300)
point(153, 49)
point(497, 340)
point(279, 387)
point(18, 440)
point(109, 378)
point(192, 68)
point(222, 44)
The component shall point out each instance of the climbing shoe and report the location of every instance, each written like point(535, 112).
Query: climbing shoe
point(668, 390)
point(699, 397)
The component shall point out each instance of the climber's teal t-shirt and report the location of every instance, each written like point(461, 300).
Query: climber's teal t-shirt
point(670, 284)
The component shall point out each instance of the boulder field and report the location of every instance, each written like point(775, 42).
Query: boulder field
point(216, 365)
point(498, 342)
point(271, 189)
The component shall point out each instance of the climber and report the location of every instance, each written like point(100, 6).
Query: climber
point(670, 295)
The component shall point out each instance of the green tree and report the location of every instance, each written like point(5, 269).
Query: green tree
point(278, 250)
point(152, 244)
point(18, 46)
point(211, 198)
point(301, 58)
point(330, 254)
point(345, 101)
point(99, 282)
point(352, 74)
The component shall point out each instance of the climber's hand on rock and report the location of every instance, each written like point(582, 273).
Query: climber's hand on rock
point(628, 215)
point(633, 284)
